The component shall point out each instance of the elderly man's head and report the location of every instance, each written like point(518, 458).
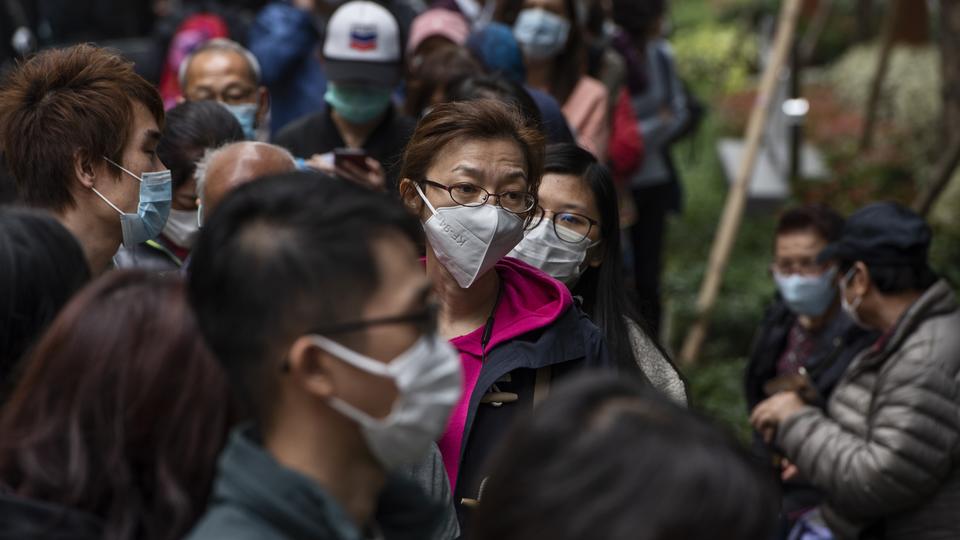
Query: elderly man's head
point(223, 169)
point(224, 71)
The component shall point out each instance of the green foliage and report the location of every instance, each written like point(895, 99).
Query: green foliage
point(714, 54)
point(716, 388)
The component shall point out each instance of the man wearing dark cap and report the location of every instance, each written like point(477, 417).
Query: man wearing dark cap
point(886, 451)
point(362, 56)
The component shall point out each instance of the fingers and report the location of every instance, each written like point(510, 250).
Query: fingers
point(789, 472)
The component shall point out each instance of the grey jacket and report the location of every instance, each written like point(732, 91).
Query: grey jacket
point(886, 453)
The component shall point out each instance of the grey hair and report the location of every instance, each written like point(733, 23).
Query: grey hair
point(211, 154)
point(221, 45)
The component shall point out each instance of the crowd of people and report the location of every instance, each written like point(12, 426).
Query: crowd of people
point(382, 270)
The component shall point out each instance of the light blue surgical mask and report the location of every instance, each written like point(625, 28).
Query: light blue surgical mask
point(357, 104)
point(541, 34)
point(156, 193)
point(246, 114)
point(807, 295)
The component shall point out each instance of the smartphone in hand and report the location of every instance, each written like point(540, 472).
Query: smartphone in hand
point(354, 156)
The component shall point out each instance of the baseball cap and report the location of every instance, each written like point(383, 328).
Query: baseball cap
point(362, 45)
point(884, 233)
point(437, 22)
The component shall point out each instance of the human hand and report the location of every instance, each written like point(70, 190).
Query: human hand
point(789, 471)
point(305, 5)
point(770, 413)
point(322, 163)
point(371, 176)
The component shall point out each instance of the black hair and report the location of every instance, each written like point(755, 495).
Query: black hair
point(280, 256)
point(570, 64)
point(820, 219)
point(41, 266)
point(601, 288)
point(631, 465)
point(191, 128)
point(496, 87)
point(638, 19)
point(892, 279)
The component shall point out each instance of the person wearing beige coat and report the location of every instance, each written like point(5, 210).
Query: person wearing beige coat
point(885, 452)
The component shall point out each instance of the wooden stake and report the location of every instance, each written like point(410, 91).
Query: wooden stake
point(737, 198)
point(879, 76)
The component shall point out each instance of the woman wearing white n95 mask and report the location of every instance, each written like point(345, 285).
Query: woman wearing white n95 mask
point(576, 239)
point(470, 172)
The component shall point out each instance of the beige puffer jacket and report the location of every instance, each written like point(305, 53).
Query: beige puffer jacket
point(889, 451)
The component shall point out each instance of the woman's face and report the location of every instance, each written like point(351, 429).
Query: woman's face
point(496, 166)
point(566, 193)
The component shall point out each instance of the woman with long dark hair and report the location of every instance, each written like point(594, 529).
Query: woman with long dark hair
point(114, 429)
point(576, 239)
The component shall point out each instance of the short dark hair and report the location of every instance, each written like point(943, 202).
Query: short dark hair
point(281, 256)
point(64, 101)
point(638, 18)
point(819, 219)
point(630, 465)
point(499, 87)
point(192, 127)
point(434, 72)
point(121, 411)
point(41, 266)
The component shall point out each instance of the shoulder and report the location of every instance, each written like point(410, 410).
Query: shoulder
point(227, 521)
point(299, 131)
point(590, 90)
point(661, 373)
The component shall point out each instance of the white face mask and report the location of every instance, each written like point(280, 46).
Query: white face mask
point(428, 381)
point(542, 249)
point(181, 227)
point(468, 241)
point(850, 308)
point(541, 34)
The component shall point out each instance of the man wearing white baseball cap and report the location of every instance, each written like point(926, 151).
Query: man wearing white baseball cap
point(359, 131)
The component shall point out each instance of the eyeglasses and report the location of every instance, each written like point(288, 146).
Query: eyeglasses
point(472, 195)
point(425, 321)
point(804, 267)
point(568, 226)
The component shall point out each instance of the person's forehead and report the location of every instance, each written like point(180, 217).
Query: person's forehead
point(219, 63)
point(799, 243)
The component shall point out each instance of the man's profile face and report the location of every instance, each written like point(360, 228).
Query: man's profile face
point(223, 76)
point(139, 157)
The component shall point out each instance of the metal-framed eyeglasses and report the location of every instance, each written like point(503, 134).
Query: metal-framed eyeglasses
point(569, 227)
point(472, 195)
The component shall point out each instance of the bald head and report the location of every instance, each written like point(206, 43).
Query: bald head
point(227, 167)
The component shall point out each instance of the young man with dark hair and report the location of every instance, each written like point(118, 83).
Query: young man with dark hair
point(310, 292)
point(886, 449)
point(805, 339)
point(79, 130)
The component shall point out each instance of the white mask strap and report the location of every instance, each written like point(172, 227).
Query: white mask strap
point(121, 212)
point(424, 197)
point(117, 165)
point(353, 358)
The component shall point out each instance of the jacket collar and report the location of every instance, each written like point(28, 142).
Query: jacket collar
point(938, 299)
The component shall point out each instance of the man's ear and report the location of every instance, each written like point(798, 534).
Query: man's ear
point(411, 199)
point(83, 168)
point(307, 364)
point(861, 282)
point(263, 105)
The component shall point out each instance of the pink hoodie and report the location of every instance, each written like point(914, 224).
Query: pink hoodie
point(530, 300)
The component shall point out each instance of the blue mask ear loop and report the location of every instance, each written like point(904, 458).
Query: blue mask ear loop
point(117, 165)
point(119, 211)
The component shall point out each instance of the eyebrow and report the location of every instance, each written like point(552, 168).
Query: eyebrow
point(152, 135)
point(475, 172)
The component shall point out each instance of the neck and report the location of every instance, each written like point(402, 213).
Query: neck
point(815, 323)
point(100, 242)
point(891, 308)
point(539, 74)
point(461, 310)
point(355, 135)
point(345, 470)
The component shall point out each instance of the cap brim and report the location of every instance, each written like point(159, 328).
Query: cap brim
point(350, 71)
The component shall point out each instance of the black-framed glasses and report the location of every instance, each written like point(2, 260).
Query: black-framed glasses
point(425, 321)
point(568, 226)
point(472, 195)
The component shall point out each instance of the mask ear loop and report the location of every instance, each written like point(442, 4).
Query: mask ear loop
point(117, 165)
point(424, 197)
point(119, 211)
